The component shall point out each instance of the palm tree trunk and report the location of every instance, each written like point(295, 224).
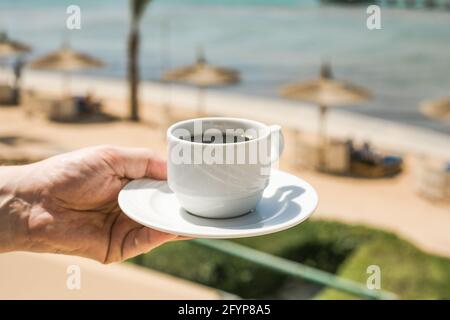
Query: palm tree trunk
point(322, 135)
point(133, 72)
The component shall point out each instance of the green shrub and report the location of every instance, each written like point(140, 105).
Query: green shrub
point(405, 270)
point(319, 244)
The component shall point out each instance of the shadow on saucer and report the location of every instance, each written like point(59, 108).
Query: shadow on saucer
point(277, 209)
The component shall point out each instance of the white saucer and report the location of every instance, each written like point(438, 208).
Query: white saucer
point(286, 202)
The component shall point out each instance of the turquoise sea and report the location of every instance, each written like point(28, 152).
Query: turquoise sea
point(270, 42)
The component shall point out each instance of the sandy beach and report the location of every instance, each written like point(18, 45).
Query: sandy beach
point(293, 115)
point(391, 204)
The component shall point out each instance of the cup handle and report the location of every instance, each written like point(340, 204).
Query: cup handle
point(277, 143)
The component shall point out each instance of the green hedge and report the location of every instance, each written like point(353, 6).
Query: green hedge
point(335, 247)
point(405, 270)
point(320, 244)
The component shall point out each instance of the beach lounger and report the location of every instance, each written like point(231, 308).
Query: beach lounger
point(63, 110)
point(6, 95)
point(447, 182)
point(308, 152)
point(367, 163)
point(434, 179)
point(384, 168)
point(86, 105)
point(392, 165)
point(337, 157)
point(51, 108)
point(70, 109)
point(343, 158)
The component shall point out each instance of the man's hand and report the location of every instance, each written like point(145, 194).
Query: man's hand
point(68, 204)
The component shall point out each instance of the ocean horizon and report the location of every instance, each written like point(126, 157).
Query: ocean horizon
point(270, 42)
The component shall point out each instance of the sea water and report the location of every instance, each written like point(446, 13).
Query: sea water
point(270, 42)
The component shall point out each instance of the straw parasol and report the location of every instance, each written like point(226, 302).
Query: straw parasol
point(66, 60)
point(202, 75)
point(325, 92)
point(437, 109)
point(9, 47)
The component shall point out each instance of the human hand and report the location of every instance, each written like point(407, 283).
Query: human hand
point(68, 204)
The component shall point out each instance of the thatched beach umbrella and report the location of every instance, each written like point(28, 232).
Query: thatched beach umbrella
point(325, 92)
point(437, 109)
point(9, 47)
point(202, 75)
point(66, 60)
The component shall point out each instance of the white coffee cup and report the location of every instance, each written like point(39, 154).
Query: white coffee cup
point(221, 180)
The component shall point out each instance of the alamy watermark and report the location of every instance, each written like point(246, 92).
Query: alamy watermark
point(214, 146)
point(73, 281)
point(374, 279)
point(373, 21)
point(73, 21)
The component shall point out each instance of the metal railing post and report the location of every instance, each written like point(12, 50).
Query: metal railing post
point(294, 269)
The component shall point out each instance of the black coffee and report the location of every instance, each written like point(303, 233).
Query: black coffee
point(225, 138)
